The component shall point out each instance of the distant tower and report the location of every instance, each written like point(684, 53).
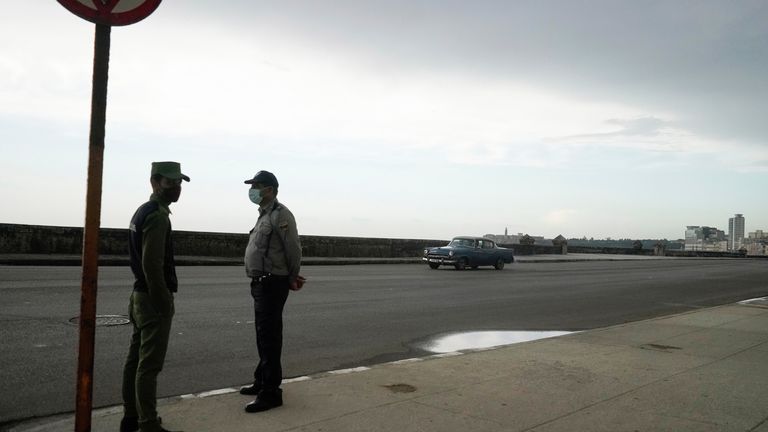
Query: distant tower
point(735, 231)
point(505, 232)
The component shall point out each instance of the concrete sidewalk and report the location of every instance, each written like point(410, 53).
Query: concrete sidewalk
point(705, 370)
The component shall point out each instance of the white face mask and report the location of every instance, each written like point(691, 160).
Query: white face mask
point(255, 196)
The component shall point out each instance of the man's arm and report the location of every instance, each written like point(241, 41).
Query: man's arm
point(290, 237)
point(153, 257)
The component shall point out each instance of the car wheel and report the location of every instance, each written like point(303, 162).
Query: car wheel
point(499, 264)
point(461, 264)
point(433, 266)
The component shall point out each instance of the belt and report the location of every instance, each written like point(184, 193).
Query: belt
point(263, 276)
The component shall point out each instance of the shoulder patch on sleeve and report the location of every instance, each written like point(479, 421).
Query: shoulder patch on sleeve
point(284, 225)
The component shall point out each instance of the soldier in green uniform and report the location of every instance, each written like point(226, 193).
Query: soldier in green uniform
point(272, 261)
point(151, 305)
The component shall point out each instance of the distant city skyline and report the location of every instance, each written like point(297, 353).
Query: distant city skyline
point(710, 238)
point(400, 119)
point(735, 224)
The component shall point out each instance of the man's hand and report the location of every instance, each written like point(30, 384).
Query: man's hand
point(298, 283)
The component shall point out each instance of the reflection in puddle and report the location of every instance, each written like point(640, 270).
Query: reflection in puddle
point(760, 301)
point(484, 339)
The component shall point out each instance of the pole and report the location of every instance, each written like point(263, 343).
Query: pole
point(84, 399)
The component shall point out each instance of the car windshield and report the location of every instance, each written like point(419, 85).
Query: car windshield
point(462, 242)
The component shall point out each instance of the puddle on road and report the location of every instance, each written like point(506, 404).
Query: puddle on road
point(760, 301)
point(483, 339)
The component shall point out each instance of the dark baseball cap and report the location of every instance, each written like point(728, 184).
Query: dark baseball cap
point(264, 177)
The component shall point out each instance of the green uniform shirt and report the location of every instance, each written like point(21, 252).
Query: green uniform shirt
point(153, 254)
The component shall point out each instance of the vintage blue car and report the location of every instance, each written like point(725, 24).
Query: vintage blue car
point(463, 252)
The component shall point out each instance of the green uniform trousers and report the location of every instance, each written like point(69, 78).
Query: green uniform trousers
point(146, 356)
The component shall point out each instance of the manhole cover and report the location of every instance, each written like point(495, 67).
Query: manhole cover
point(106, 320)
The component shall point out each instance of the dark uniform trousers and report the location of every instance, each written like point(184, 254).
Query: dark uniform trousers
point(146, 355)
point(269, 295)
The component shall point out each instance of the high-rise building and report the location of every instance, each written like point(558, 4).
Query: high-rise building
point(735, 232)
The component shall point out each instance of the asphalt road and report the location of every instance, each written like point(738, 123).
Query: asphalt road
point(346, 316)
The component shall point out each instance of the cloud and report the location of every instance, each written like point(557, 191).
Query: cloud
point(269, 88)
point(560, 216)
point(638, 127)
point(487, 83)
point(754, 166)
point(647, 126)
point(658, 143)
point(704, 60)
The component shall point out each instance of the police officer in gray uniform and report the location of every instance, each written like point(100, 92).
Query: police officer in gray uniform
point(272, 261)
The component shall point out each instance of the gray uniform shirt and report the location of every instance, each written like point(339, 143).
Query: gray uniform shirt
point(274, 246)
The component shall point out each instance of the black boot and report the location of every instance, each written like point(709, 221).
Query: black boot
point(251, 390)
point(266, 400)
point(129, 424)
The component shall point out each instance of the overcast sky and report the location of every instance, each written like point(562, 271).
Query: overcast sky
point(406, 119)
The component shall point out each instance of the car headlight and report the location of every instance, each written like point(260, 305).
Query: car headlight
point(450, 254)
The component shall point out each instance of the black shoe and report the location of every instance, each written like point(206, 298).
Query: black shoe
point(265, 401)
point(129, 424)
point(251, 390)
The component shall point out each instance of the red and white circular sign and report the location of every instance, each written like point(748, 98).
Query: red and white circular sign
point(111, 12)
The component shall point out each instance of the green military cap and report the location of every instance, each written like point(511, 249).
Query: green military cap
point(171, 170)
